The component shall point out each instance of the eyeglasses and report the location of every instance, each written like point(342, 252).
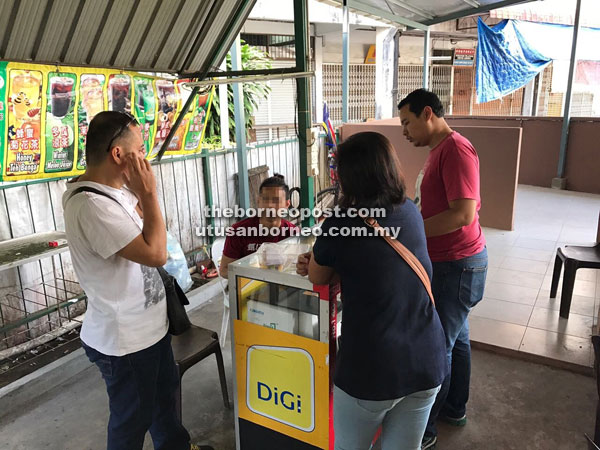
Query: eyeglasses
point(130, 120)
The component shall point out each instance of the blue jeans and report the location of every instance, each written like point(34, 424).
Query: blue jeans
point(141, 390)
point(457, 287)
point(402, 420)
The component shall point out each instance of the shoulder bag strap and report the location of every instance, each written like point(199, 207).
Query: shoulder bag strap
point(91, 189)
point(406, 254)
point(99, 192)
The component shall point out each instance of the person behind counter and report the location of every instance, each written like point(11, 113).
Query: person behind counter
point(392, 357)
point(273, 195)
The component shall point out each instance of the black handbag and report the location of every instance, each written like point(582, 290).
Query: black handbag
point(176, 299)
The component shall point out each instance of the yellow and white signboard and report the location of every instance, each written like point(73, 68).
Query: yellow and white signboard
point(272, 393)
point(283, 387)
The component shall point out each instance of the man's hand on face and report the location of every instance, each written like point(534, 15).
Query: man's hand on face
point(139, 175)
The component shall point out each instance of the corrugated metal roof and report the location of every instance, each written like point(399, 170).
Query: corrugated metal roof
point(234, 18)
point(422, 13)
point(182, 36)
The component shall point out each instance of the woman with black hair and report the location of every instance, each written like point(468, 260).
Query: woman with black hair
point(391, 360)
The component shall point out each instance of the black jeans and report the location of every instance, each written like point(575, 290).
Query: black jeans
point(141, 389)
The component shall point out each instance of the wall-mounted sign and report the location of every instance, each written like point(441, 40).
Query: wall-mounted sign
point(464, 56)
point(370, 58)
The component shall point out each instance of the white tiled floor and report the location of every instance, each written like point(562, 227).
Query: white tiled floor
point(517, 312)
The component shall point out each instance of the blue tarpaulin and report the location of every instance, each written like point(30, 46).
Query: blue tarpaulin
point(505, 61)
point(510, 54)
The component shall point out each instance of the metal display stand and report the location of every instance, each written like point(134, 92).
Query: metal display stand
point(36, 314)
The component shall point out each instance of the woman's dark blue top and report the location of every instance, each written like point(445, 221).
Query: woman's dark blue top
point(392, 342)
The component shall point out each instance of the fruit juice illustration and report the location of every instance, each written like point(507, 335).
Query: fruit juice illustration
point(145, 103)
point(92, 98)
point(149, 104)
point(197, 121)
point(91, 102)
point(177, 141)
point(145, 108)
point(60, 122)
point(61, 95)
point(119, 90)
point(25, 94)
point(167, 102)
point(166, 95)
point(203, 99)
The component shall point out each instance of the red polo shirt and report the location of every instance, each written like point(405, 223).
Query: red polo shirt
point(237, 247)
point(451, 173)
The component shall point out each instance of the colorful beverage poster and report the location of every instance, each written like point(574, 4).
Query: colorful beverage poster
point(119, 93)
point(199, 115)
point(24, 122)
point(145, 109)
point(60, 122)
point(3, 109)
point(166, 109)
point(45, 112)
point(182, 93)
point(91, 102)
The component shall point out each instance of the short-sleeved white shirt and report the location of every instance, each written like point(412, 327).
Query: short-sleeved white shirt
point(126, 310)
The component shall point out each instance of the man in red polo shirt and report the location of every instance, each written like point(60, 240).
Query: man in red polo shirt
point(273, 195)
point(448, 195)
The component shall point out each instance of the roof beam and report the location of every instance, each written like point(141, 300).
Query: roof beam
point(412, 9)
point(472, 11)
point(472, 3)
point(237, 73)
point(250, 79)
point(359, 6)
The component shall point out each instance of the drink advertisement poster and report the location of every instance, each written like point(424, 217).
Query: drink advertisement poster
point(60, 122)
point(197, 116)
point(3, 111)
point(24, 120)
point(91, 101)
point(45, 112)
point(145, 109)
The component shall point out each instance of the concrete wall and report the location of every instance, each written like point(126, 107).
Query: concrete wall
point(267, 19)
point(541, 145)
point(360, 41)
point(583, 156)
point(411, 47)
point(499, 154)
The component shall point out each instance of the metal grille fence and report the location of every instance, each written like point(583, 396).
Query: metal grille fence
point(361, 98)
point(410, 77)
point(40, 300)
point(465, 96)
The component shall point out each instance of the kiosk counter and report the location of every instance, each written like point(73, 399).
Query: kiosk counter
point(284, 332)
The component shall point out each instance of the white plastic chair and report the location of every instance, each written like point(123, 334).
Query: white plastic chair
point(216, 254)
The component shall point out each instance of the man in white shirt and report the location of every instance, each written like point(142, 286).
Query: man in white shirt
point(115, 254)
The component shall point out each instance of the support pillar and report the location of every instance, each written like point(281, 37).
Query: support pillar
point(386, 73)
point(560, 182)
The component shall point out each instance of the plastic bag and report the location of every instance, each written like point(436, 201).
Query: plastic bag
point(177, 264)
point(280, 256)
